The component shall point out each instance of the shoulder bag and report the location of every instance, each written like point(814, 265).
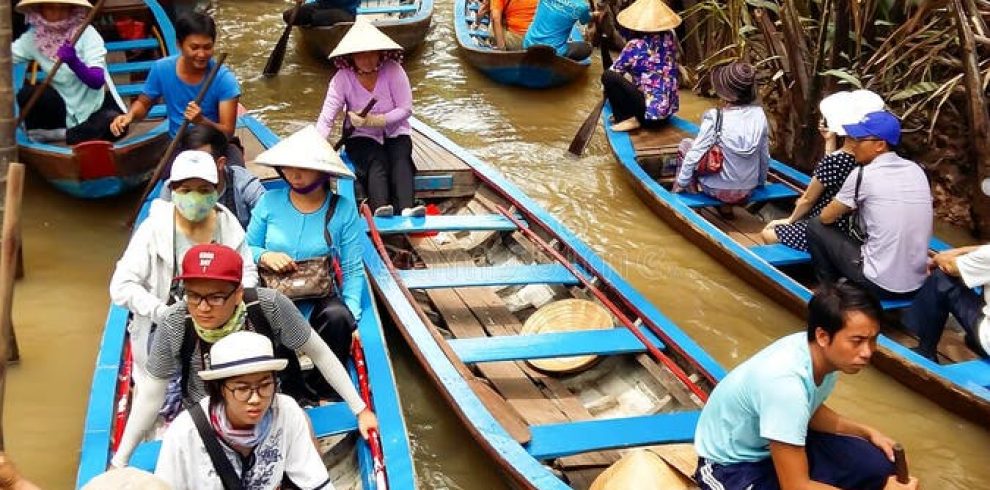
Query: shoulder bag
point(711, 161)
point(225, 470)
point(313, 278)
point(856, 226)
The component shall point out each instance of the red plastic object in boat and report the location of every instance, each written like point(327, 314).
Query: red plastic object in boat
point(431, 210)
point(95, 159)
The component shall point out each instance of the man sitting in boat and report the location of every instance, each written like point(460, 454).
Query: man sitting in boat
point(323, 12)
point(216, 305)
point(892, 198)
point(253, 422)
point(177, 79)
point(239, 189)
point(552, 25)
point(766, 426)
point(510, 20)
point(75, 107)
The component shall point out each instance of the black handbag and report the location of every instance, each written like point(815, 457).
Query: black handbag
point(856, 226)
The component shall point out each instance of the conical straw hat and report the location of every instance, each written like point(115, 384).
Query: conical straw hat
point(642, 470)
point(126, 479)
point(363, 36)
point(648, 16)
point(564, 316)
point(24, 5)
point(305, 148)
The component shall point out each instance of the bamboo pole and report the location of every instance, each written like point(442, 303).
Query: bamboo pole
point(8, 268)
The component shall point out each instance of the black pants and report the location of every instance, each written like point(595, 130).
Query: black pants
point(578, 50)
point(626, 99)
point(49, 113)
point(939, 296)
point(334, 323)
point(384, 171)
point(318, 14)
point(835, 255)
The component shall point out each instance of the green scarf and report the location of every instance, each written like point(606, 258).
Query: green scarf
point(235, 323)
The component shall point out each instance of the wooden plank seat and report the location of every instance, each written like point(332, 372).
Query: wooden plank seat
point(127, 45)
point(388, 9)
point(613, 341)
point(130, 67)
point(778, 254)
point(768, 192)
point(457, 277)
point(968, 373)
point(398, 224)
point(567, 438)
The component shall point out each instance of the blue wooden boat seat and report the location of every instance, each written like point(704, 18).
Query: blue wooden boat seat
point(458, 277)
point(611, 341)
point(433, 182)
point(388, 9)
point(157, 111)
point(768, 192)
point(568, 438)
point(398, 224)
point(130, 89)
point(968, 373)
point(145, 456)
point(145, 43)
point(778, 254)
point(130, 67)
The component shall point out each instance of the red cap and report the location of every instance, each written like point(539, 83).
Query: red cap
point(212, 261)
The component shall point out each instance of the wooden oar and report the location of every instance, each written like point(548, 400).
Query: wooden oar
point(900, 464)
point(175, 141)
point(374, 441)
point(587, 129)
point(40, 89)
point(274, 63)
point(349, 128)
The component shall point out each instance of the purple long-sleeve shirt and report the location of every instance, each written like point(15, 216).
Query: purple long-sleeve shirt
point(394, 100)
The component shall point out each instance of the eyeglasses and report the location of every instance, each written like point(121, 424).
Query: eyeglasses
point(860, 140)
point(214, 299)
point(243, 393)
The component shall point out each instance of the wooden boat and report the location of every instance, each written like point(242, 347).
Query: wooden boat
point(461, 296)
point(404, 21)
point(349, 458)
point(536, 67)
point(959, 384)
point(98, 169)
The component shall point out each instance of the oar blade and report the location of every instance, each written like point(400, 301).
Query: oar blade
point(274, 63)
point(587, 129)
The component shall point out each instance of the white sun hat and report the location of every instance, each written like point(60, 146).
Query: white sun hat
point(193, 164)
point(24, 5)
point(126, 479)
point(363, 36)
point(241, 353)
point(843, 108)
point(305, 148)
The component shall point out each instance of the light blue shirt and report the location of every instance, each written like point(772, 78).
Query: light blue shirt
point(771, 396)
point(164, 82)
point(277, 226)
point(745, 143)
point(553, 22)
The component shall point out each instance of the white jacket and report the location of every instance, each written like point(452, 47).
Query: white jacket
point(144, 273)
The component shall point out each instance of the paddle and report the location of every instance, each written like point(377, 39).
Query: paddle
point(178, 136)
point(900, 464)
point(274, 63)
point(374, 442)
point(587, 129)
point(40, 89)
point(349, 128)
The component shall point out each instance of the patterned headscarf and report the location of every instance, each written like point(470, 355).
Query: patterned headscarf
point(345, 62)
point(48, 36)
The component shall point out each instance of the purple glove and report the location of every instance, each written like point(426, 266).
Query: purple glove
point(91, 76)
point(67, 53)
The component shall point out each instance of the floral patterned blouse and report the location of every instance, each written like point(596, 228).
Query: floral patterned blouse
point(652, 62)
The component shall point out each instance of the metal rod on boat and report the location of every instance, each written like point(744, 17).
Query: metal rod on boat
point(348, 130)
point(8, 268)
point(374, 440)
point(659, 356)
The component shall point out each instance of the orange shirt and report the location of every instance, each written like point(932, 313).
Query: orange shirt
point(518, 16)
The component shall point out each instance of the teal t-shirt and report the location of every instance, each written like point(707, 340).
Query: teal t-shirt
point(553, 22)
point(164, 82)
point(770, 396)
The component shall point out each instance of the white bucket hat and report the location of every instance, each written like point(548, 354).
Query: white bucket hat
point(25, 5)
point(843, 108)
point(193, 164)
point(363, 36)
point(126, 479)
point(305, 148)
point(241, 353)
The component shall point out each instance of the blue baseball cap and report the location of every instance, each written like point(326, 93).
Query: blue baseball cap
point(879, 124)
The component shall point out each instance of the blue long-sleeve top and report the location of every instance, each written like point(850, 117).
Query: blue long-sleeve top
point(277, 226)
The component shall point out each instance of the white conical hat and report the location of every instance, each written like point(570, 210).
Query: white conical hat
point(127, 479)
point(23, 6)
point(305, 148)
point(648, 16)
point(363, 36)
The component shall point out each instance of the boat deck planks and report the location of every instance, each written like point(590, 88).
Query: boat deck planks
point(432, 160)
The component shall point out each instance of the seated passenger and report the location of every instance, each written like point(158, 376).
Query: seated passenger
point(252, 422)
point(216, 305)
point(641, 85)
point(552, 25)
point(368, 67)
point(893, 201)
point(510, 19)
point(744, 140)
point(75, 107)
point(830, 173)
point(142, 281)
point(320, 13)
point(244, 188)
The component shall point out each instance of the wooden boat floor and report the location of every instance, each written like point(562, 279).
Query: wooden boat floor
point(432, 160)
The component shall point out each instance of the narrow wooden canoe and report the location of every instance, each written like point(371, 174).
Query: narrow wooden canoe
point(404, 21)
point(101, 169)
point(960, 384)
point(461, 296)
point(537, 67)
point(347, 455)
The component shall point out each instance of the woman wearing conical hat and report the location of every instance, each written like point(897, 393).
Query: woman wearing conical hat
point(381, 148)
point(641, 86)
point(75, 107)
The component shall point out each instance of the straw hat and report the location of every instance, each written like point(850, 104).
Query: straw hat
point(564, 316)
point(241, 353)
point(641, 469)
point(734, 82)
point(648, 16)
point(126, 479)
point(842, 108)
point(363, 36)
point(24, 5)
point(305, 148)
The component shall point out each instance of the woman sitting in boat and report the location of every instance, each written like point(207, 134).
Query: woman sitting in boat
point(264, 437)
point(321, 13)
point(829, 175)
point(641, 86)
point(142, 281)
point(308, 220)
point(744, 140)
point(552, 25)
point(380, 145)
point(75, 107)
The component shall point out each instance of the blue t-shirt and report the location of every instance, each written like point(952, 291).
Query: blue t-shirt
point(554, 21)
point(163, 81)
point(771, 396)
